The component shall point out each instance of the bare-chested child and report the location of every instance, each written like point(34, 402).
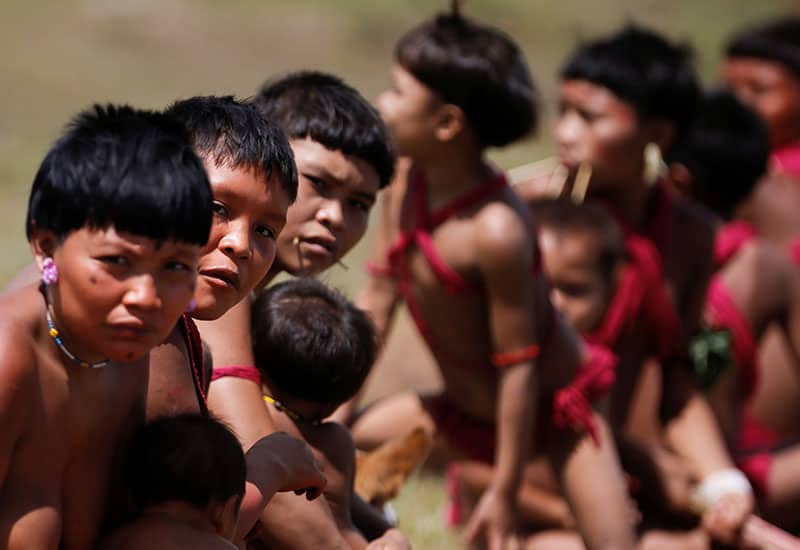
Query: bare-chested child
point(117, 214)
point(253, 181)
point(461, 255)
point(314, 349)
point(622, 98)
point(583, 258)
point(719, 163)
point(185, 477)
point(236, 144)
point(762, 66)
point(343, 158)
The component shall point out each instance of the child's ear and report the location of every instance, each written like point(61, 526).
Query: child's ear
point(43, 244)
point(224, 516)
point(451, 122)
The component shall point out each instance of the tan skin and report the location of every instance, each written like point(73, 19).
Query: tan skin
point(335, 195)
point(596, 127)
point(249, 212)
point(582, 291)
point(117, 296)
point(174, 525)
point(774, 92)
point(487, 244)
point(334, 449)
point(765, 286)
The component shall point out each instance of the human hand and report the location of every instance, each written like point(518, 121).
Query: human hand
point(287, 463)
point(390, 540)
point(724, 519)
point(494, 520)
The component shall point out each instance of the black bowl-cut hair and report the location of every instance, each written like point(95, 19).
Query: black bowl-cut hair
point(187, 458)
point(312, 342)
point(118, 166)
point(323, 108)
point(232, 133)
point(643, 68)
point(726, 151)
point(478, 68)
point(777, 40)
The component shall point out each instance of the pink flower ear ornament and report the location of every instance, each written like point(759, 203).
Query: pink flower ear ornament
point(49, 271)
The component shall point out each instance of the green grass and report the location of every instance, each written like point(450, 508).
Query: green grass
point(57, 57)
point(421, 509)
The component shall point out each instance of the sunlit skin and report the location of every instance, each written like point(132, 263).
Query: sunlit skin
point(249, 213)
point(117, 295)
point(578, 287)
point(488, 244)
point(772, 90)
point(607, 133)
point(595, 126)
point(335, 195)
point(411, 111)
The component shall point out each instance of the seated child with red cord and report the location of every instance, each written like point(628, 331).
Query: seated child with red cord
point(719, 163)
point(624, 98)
point(762, 66)
point(460, 256)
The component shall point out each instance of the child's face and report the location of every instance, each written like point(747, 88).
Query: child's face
point(334, 198)
point(594, 126)
point(119, 295)
point(579, 289)
point(410, 110)
point(772, 90)
point(249, 212)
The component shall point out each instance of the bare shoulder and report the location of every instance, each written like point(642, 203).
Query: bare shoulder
point(767, 263)
point(503, 232)
point(18, 341)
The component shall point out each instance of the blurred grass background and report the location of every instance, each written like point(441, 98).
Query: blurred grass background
point(59, 56)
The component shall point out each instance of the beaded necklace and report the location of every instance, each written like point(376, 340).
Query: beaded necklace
point(57, 338)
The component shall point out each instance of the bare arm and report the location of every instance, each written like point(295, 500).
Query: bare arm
point(503, 246)
point(691, 427)
point(15, 397)
point(236, 401)
point(378, 296)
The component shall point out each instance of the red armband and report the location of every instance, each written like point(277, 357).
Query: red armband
point(245, 372)
point(501, 360)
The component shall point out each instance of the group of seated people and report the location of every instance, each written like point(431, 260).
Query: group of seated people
point(617, 329)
